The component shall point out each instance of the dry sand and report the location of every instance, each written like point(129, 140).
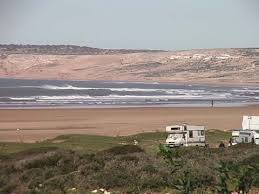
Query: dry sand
point(41, 124)
point(213, 66)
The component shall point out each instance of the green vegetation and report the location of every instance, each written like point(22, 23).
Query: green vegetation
point(233, 173)
point(83, 163)
point(93, 143)
point(89, 143)
point(215, 137)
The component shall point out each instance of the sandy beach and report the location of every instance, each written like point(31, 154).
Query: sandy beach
point(41, 124)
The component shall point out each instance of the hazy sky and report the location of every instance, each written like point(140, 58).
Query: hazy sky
point(151, 24)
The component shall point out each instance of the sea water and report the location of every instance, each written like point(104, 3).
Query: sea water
point(57, 93)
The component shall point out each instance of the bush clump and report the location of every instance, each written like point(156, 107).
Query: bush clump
point(130, 169)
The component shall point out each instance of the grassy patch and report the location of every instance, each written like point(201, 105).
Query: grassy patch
point(92, 143)
point(215, 137)
point(89, 143)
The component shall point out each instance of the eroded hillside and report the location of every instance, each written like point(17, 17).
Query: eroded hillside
point(240, 66)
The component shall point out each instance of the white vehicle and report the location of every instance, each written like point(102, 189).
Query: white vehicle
point(245, 136)
point(185, 135)
point(249, 132)
point(250, 123)
point(235, 137)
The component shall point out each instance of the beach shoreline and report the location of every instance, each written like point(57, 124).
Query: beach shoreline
point(46, 123)
point(214, 83)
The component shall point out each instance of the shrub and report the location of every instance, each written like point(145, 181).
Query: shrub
point(131, 170)
point(122, 150)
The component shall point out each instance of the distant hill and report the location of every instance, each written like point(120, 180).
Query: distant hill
point(219, 66)
point(63, 50)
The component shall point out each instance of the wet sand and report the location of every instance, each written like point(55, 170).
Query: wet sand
point(41, 124)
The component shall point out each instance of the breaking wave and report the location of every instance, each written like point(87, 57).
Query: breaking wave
point(118, 93)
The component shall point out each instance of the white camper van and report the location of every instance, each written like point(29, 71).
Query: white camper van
point(185, 135)
point(249, 132)
point(245, 136)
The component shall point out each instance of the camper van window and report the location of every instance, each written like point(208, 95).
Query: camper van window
point(175, 128)
point(170, 136)
point(185, 128)
point(190, 134)
point(202, 133)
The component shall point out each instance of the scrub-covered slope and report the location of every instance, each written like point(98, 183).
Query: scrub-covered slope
point(240, 66)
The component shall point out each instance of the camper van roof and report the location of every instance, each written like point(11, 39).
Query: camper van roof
point(184, 125)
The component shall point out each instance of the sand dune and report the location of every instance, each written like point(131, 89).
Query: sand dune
point(231, 66)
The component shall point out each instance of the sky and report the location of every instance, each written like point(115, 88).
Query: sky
point(135, 24)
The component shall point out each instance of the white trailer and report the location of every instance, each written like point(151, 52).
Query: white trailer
point(245, 136)
point(185, 135)
point(250, 123)
point(249, 132)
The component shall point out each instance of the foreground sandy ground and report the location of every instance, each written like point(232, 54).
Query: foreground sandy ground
point(41, 124)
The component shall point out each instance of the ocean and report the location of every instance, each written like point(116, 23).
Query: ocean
point(16, 93)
